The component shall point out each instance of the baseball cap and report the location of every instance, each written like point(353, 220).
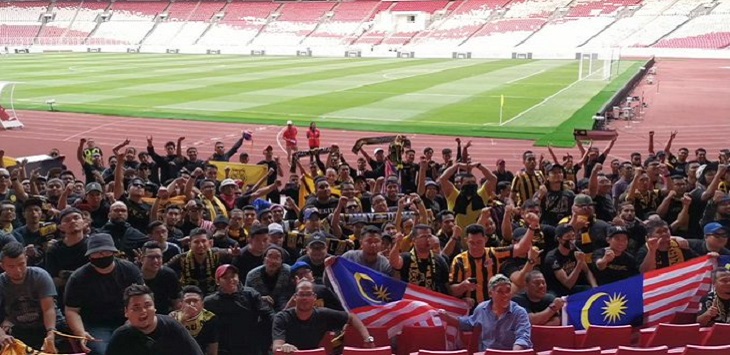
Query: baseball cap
point(67, 211)
point(309, 212)
point(268, 148)
point(432, 183)
point(94, 186)
point(318, 238)
point(299, 265)
point(276, 228)
point(582, 200)
point(223, 269)
point(715, 229)
point(563, 229)
point(616, 231)
point(500, 161)
point(551, 167)
point(289, 122)
point(220, 220)
point(100, 242)
point(378, 150)
point(227, 182)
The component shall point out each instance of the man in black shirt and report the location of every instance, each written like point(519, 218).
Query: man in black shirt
point(566, 268)
point(420, 265)
point(252, 255)
point(147, 332)
point(304, 326)
point(242, 315)
point(542, 307)
point(272, 163)
point(715, 240)
point(161, 279)
point(93, 293)
point(614, 263)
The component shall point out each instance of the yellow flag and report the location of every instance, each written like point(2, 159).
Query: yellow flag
point(501, 101)
point(248, 173)
point(8, 162)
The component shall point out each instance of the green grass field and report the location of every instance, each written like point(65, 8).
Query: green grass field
point(435, 96)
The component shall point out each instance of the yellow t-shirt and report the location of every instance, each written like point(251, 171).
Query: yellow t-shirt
point(471, 216)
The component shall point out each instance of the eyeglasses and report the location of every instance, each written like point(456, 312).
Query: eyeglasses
point(305, 294)
point(138, 185)
point(322, 187)
point(352, 207)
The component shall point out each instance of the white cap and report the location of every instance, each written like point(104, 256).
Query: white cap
point(378, 150)
point(289, 123)
point(227, 182)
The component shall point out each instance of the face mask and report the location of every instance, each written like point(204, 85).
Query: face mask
point(568, 245)
point(102, 263)
point(469, 190)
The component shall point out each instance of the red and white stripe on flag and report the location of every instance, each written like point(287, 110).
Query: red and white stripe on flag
point(676, 289)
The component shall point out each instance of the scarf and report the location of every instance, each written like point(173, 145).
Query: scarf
point(195, 324)
point(674, 253)
point(188, 269)
point(303, 153)
point(214, 207)
point(462, 202)
point(416, 277)
point(377, 140)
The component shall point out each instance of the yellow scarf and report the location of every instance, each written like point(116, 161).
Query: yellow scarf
point(214, 207)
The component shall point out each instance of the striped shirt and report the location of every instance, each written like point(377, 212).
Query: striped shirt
point(525, 185)
point(465, 266)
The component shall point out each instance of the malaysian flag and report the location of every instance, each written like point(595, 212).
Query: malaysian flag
point(647, 299)
point(381, 301)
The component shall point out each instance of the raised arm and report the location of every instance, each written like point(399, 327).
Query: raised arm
point(552, 153)
point(119, 177)
point(445, 179)
point(336, 228)
point(651, 142)
point(593, 181)
point(668, 146)
point(179, 148)
point(710, 192)
point(607, 151)
point(422, 166)
point(80, 152)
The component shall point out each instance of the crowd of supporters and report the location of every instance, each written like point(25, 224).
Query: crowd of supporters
point(241, 264)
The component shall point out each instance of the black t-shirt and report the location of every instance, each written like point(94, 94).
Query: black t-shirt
point(325, 207)
point(555, 261)
point(533, 307)
point(512, 265)
point(591, 163)
point(63, 257)
point(662, 257)
point(166, 287)
point(622, 267)
point(247, 262)
point(139, 213)
point(99, 296)
point(89, 170)
point(244, 321)
point(270, 179)
point(169, 337)
point(307, 334)
point(605, 207)
point(440, 271)
point(39, 238)
point(700, 247)
point(556, 206)
point(317, 270)
point(408, 178)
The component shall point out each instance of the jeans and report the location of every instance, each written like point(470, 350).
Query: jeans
point(103, 333)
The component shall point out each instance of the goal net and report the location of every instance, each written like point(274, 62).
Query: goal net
point(602, 65)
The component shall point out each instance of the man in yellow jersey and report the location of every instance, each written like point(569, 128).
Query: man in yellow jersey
point(468, 201)
point(471, 269)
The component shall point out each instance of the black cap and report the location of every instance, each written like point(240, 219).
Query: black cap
point(562, 230)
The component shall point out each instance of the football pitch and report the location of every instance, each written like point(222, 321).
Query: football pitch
point(432, 96)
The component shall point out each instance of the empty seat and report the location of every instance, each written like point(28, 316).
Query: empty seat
point(671, 335)
point(706, 350)
point(414, 338)
point(719, 334)
point(628, 350)
point(508, 352)
point(383, 350)
point(443, 352)
point(564, 351)
point(607, 337)
point(547, 337)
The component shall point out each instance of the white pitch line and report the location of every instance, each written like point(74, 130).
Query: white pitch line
point(545, 100)
point(525, 77)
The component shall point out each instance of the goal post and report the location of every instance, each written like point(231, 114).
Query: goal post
point(598, 65)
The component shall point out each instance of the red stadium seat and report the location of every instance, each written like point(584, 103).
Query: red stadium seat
point(414, 338)
point(607, 337)
point(319, 351)
point(444, 352)
point(473, 340)
point(383, 350)
point(671, 335)
point(628, 350)
point(564, 351)
point(706, 350)
point(719, 334)
point(508, 352)
point(326, 342)
point(547, 337)
point(353, 338)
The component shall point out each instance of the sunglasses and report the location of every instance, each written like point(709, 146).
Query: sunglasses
point(138, 185)
point(4, 176)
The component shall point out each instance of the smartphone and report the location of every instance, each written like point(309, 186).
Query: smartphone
point(472, 280)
